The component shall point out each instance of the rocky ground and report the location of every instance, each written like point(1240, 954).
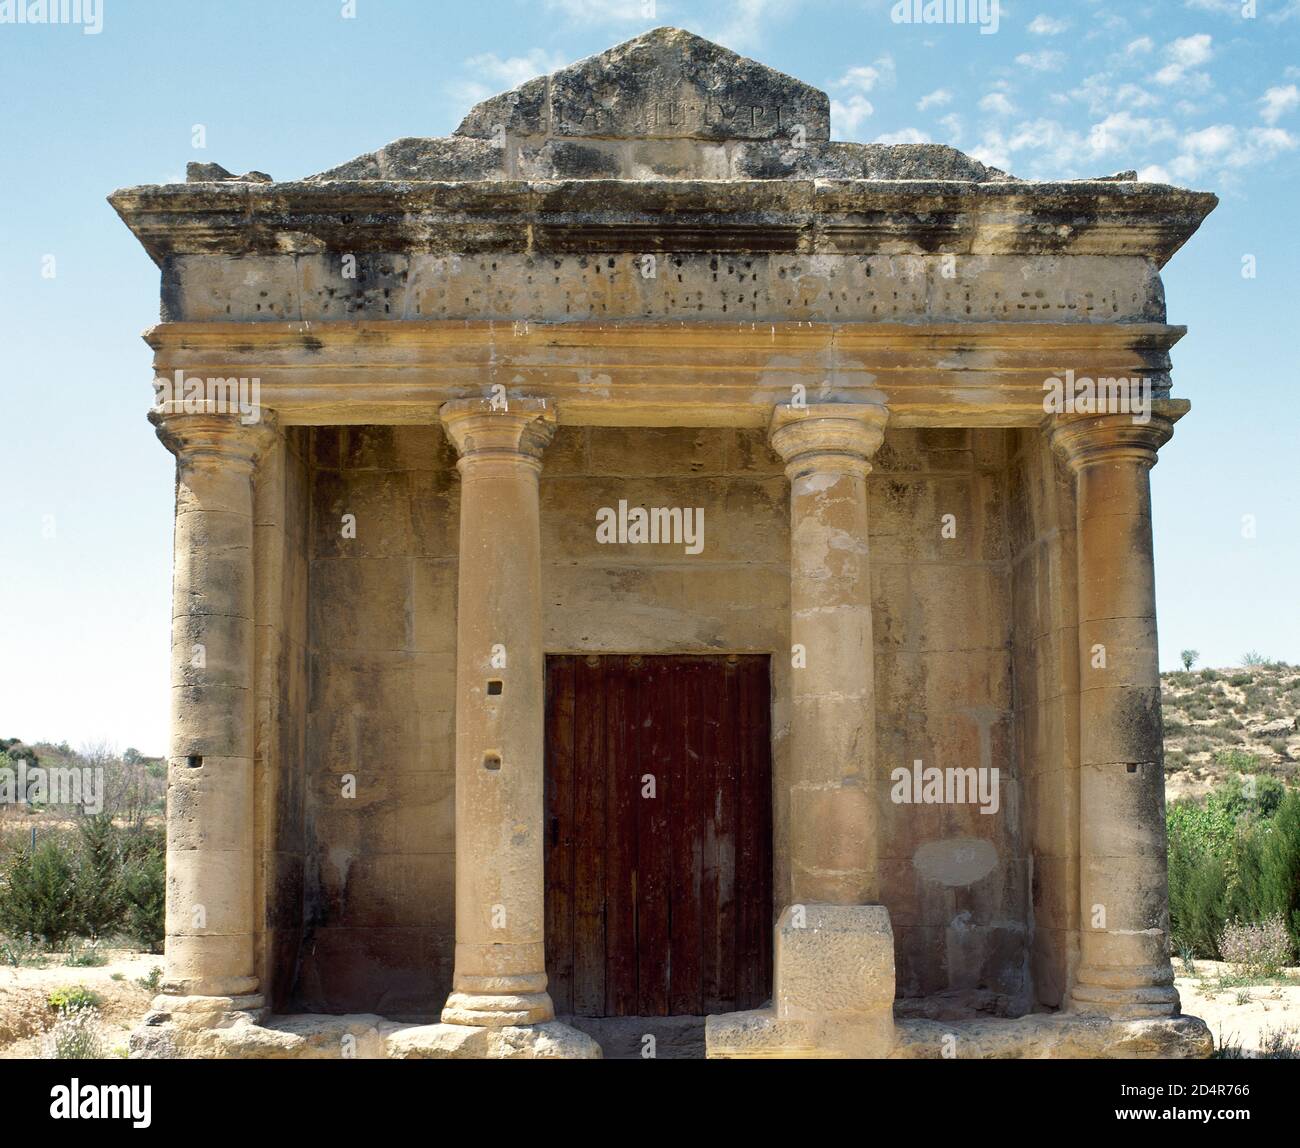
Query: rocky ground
point(26, 1014)
point(1232, 720)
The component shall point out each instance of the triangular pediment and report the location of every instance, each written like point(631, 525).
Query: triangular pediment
point(665, 84)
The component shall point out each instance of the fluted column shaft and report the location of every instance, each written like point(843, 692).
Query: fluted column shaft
point(500, 976)
point(1125, 969)
point(210, 919)
point(833, 795)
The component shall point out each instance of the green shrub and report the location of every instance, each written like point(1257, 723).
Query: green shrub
point(1237, 759)
point(35, 895)
point(87, 957)
point(145, 889)
point(97, 891)
point(73, 997)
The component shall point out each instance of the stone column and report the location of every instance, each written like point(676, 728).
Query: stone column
point(1124, 900)
point(833, 989)
point(500, 976)
point(833, 795)
point(210, 801)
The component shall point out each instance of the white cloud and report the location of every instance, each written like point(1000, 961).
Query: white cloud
point(1224, 148)
point(906, 136)
point(1185, 54)
point(588, 12)
point(997, 104)
point(1211, 141)
point(1277, 102)
point(1191, 51)
point(745, 29)
point(1043, 61)
point(489, 74)
point(848, 115)
point(1153, 174)
point(866, 77)
point(952, 127)
point(1140, 47)
point(939, 98)
point(1042, 25)
point(1122, 130)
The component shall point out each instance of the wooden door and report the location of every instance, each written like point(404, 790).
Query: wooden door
point(659, 834)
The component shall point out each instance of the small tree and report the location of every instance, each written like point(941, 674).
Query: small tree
point(1189, 658)
point(1253, 658)
point(36, 898)
point(97, 880)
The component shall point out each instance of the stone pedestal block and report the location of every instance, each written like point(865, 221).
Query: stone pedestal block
point(833, 994)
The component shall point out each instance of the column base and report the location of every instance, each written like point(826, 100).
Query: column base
point(833, 992)
point(497, 1010)
point(1139, 1003)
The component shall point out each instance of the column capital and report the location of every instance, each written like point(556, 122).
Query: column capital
point(481, 430)
point(201, 437)
point(827, 436)
point(1084, 439)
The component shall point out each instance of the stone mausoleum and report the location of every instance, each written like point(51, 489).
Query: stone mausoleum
point(650, 599)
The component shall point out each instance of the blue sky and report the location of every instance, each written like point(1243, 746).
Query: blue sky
point(1193, 92)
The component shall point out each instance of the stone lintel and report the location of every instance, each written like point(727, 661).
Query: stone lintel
point(661, 374)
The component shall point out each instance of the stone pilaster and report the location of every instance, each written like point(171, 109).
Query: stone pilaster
point(210, 919)
point(500, 976)
point(1124, 968)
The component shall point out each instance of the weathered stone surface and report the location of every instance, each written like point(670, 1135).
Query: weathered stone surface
point(215, 173)
point(550, 1041)
point(438, 1042)
point(1054, 1036)
point(667, 83)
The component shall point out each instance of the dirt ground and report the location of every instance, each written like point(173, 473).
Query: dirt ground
point(25, 1013)
point(1240, 1016)
point(1263, 1008)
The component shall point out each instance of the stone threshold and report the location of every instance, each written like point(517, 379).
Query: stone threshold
point(760, 1034)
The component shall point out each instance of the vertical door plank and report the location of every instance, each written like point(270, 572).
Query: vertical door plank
point(712, 700)
point(620, 840)
point(559, 847)
point(752, 913)
point(728, 814)
point(687, 812)
point(589, 834)
point(653, 738)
